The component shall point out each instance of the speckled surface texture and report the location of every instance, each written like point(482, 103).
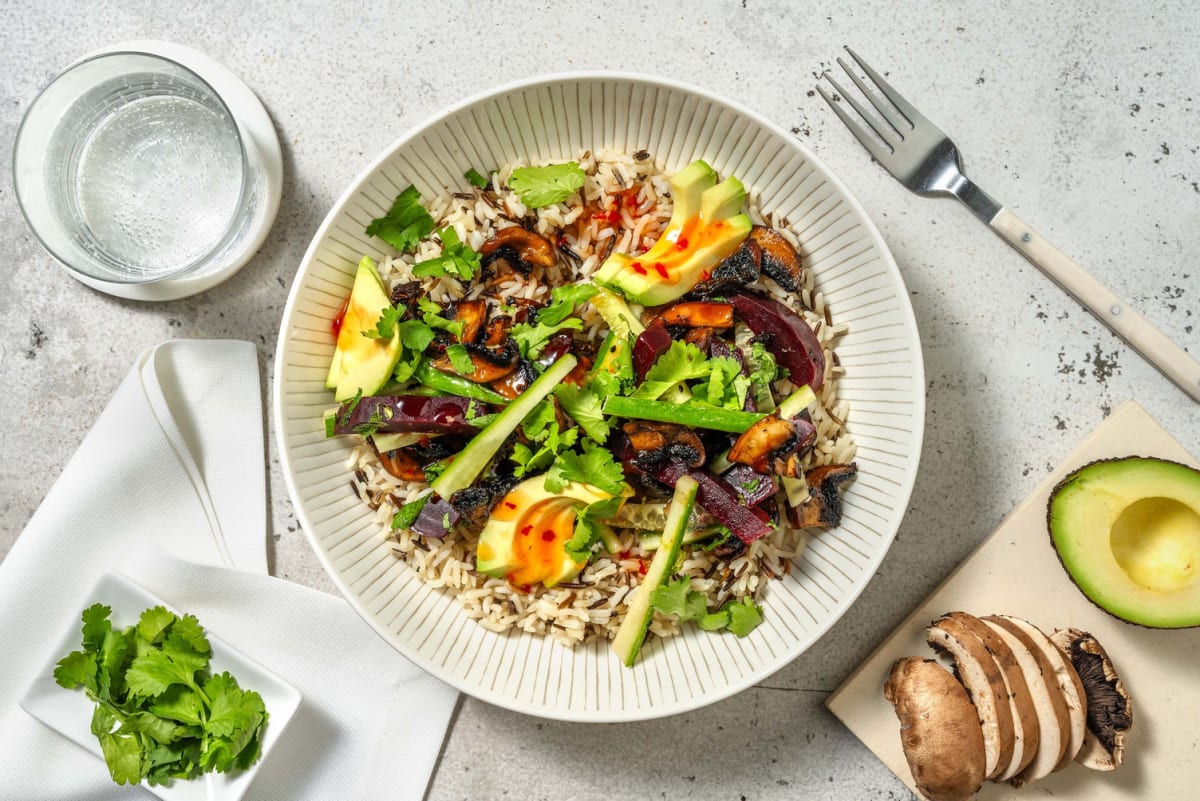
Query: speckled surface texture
point(1081, 117)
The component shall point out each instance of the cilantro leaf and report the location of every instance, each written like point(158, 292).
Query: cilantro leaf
point(456, 260)
point(682, 361)
point(181, 704)
point(476, 178)
point(545, 186)
point(405, 223)
point(76, 669)
point(409, 363)
point(744, 616)
point(154, 671)
point(587, 526)
point(118, 647)
point(123, 755)
point(716, 621)
point(95, 626)
point(594, 466)
point(152, 625)
point(187, 630)
point(532, 338)
point(415, 335)
point(541, 428)
point(564, 300)
point(385, 326)
point(432, 315)
point(584, 406)
point(678, 599)
point(460, 359)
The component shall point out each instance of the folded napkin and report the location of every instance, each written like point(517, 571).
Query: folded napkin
point(169, 488)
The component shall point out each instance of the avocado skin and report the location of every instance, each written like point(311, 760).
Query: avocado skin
point(1083, 472)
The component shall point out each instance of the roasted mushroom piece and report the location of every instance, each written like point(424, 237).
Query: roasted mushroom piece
point(488, 364)
point(1109, 708)
point(780, 261)
point(702, 338)
point(402, 465)
point(405, 295)
point(516, 382)
point(774, 445)
point(473, 316)
point(518, 249)
point(475, 503)
point(656, 442)
point(824, 508)
point(734, 272)
point(698, 314)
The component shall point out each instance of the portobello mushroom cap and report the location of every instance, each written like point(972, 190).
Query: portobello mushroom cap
point(1069, 685)
point(1054, 722)
point(939, 729)
point(656, 442)
point(1109, 707)
point(735, 271)
point(774, 445)
point(984, 683)
point(1026, 733)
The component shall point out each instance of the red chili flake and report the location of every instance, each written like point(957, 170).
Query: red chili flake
point(548, 535)
point(510, 504)
point(704, 276)
point(527, 529)
point(562, 241)
point(642, 567)
point(658, 266)
point(638, 268)
point(681, 244)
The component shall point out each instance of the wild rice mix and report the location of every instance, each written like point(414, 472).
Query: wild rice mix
point(623, 207)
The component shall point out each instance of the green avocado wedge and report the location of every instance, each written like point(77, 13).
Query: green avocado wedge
point(1127, 531)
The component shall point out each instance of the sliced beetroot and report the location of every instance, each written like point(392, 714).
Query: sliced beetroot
point(409, 414)
point(751, 486)
point(790, 340)
point(720, 500)
point(436, 519)
point(650, 344)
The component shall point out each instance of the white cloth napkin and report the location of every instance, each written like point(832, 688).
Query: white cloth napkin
point(174, 465)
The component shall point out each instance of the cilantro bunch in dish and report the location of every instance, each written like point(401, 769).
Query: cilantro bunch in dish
point(160, 713)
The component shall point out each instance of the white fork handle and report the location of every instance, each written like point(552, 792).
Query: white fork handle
point(1109, 308)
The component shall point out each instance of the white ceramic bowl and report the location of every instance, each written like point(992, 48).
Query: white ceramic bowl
point(548, 120)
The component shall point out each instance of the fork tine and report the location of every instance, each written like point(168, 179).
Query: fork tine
point(913, 116)
point(888, 138)
point(886, 111)
point(880, 151)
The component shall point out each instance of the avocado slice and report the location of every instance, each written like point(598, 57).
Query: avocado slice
point(525, 538)
point(704, 229)
point(1128, 533)
point(362, 363)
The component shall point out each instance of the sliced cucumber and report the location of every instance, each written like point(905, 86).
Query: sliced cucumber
point(797, 402)
point(456, 385)
point(389, 442)
point(652, 542)
point(632, 632)
point(467, 466)
point(689, 413)
point(616, 312)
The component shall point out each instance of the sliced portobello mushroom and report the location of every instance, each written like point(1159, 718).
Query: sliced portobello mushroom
point(774, 445)
point(516, 249)
point(1054, 722)
point(473, 316)
point(698, 314)
point(780, 261)
point(1068, 684)
point(656, 442)
point(735, 271)
point(824, 506)
point(939, 729)
point(1109, 707)
point(1026, 733)
point(487, 364)
point(984, 683)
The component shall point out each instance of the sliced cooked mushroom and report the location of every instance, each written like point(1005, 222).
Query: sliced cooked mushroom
point(774, 445)
point(473, 315)
point(516, 382)
point(700, 337)
point(984, 683)
point(824, 506)
point(655, 442)
point(402, 465)
point(497, 330)
point(939, 729)
point(1109, 708)
point(1068, 684)
point(1026, 732)
point(475, 503)
point(406, 294)
point(487, 364)
point(1054, 722)
point(517, 248)
point(737, 270)
point(780, 261)
point(699, 314)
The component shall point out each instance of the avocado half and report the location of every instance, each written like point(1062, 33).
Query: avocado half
point(1128, 533)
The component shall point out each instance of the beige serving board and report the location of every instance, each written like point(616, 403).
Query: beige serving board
point(1015, 571)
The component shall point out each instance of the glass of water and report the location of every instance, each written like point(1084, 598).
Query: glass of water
point(130, 169)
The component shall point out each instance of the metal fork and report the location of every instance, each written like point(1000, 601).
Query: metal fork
point(920, 156)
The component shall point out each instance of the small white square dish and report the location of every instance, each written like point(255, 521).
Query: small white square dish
point(69, 712)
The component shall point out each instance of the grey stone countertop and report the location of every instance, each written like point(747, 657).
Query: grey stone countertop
point(1081, 116)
